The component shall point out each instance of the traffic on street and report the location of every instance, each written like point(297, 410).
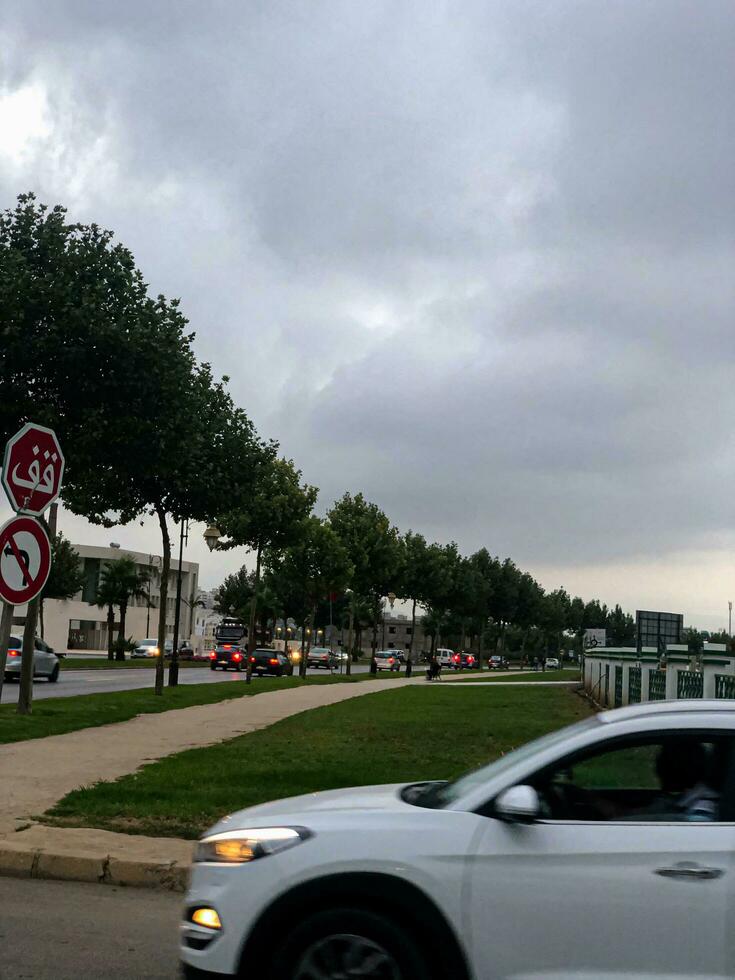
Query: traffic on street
point(73, 682)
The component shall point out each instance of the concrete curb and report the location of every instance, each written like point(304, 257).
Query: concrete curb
point(21, 862)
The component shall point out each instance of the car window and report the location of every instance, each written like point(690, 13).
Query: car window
point(668, 777)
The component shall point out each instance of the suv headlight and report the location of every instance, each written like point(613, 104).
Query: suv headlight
point(242, 846)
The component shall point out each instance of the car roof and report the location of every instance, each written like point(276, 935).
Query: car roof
point(658, 708)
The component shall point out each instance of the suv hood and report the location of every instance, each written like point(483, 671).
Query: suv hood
point(385, 797)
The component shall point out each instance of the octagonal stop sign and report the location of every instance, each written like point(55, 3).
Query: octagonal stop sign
point(33, 468)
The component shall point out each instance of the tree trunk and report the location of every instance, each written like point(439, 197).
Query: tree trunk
point(462, 638)
point(302, 662)
point(173, 667)
point(110, 629)
point(413, 630)
point(40, 615)
point(480, 645)
point(120, 652)
point(374, 644)
point(253, 609)
point(165, 569)
point(348, 666)
point(6, 625)
point(25, 697)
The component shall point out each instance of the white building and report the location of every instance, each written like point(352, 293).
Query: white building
point(78, 624)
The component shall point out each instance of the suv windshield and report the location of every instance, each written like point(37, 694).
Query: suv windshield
point(438, 795)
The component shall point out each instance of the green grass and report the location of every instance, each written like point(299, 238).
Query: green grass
point(102, 663)
point(392, 736)
point(55, 716)
point(566, 674)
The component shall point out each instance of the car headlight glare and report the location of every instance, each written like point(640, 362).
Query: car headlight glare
point(243, 846)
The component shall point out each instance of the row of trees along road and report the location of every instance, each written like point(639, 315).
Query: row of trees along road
point(357, 557)
point(86, 350)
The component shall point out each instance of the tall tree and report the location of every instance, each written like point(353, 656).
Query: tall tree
point(308, 570)
point(233, 597)
point(269, 516)
point(620, 628)
point(372, 545)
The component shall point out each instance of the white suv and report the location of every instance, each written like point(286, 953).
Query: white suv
point(602, 850)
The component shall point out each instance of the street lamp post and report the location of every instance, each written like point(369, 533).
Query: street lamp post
point(173, 669)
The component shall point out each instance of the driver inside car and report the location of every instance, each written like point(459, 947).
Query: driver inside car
point(687, 772)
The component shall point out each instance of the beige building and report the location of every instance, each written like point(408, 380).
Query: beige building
point(78, 624)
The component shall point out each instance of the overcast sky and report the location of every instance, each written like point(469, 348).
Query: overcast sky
point(474, 259)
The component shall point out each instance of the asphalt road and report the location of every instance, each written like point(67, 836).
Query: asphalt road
point(53, 930)
point(100, 681)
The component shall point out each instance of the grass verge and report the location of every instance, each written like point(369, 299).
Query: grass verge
point(394, 736)
point(524, 676)
point(56, 716)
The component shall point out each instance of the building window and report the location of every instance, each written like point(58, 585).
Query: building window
point(390, 646)
point(391, 629)
point(91, 579)
point(409, 630)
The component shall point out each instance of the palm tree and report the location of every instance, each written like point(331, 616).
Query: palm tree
point(132, 582)
point(108, 596)
point(120, 581)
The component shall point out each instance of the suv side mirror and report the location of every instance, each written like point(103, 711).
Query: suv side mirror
point(519, 804)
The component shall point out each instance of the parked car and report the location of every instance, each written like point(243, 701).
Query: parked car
point(149, 648)
point(387, 660)
point(468, 661)
point(373, 881)
point(552, 663)
point(228, 655)
point(45, 661)
point(496, 662)
point(270, 662)
point(321, 657)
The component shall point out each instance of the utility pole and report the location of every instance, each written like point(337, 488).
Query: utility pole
point(729, 619)
point(173, 669)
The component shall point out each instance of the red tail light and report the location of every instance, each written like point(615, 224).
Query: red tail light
point(236, 656)
point(273, 660)
point(252, 660)
point(212, 655)
point(227, 646)
point(390, 660)
point(455, 658)
point(13, 653)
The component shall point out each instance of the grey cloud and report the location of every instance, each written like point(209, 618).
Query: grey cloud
point(472, 258)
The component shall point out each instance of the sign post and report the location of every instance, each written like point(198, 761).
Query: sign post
point(33, 468)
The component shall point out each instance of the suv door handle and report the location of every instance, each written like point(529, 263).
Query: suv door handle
point(689, 870)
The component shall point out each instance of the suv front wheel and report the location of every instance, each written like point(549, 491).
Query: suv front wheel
point(337, 943)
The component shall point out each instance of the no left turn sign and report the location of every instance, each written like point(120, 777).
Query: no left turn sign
point(25, 560)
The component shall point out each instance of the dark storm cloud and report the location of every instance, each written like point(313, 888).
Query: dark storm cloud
point(475, 259)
